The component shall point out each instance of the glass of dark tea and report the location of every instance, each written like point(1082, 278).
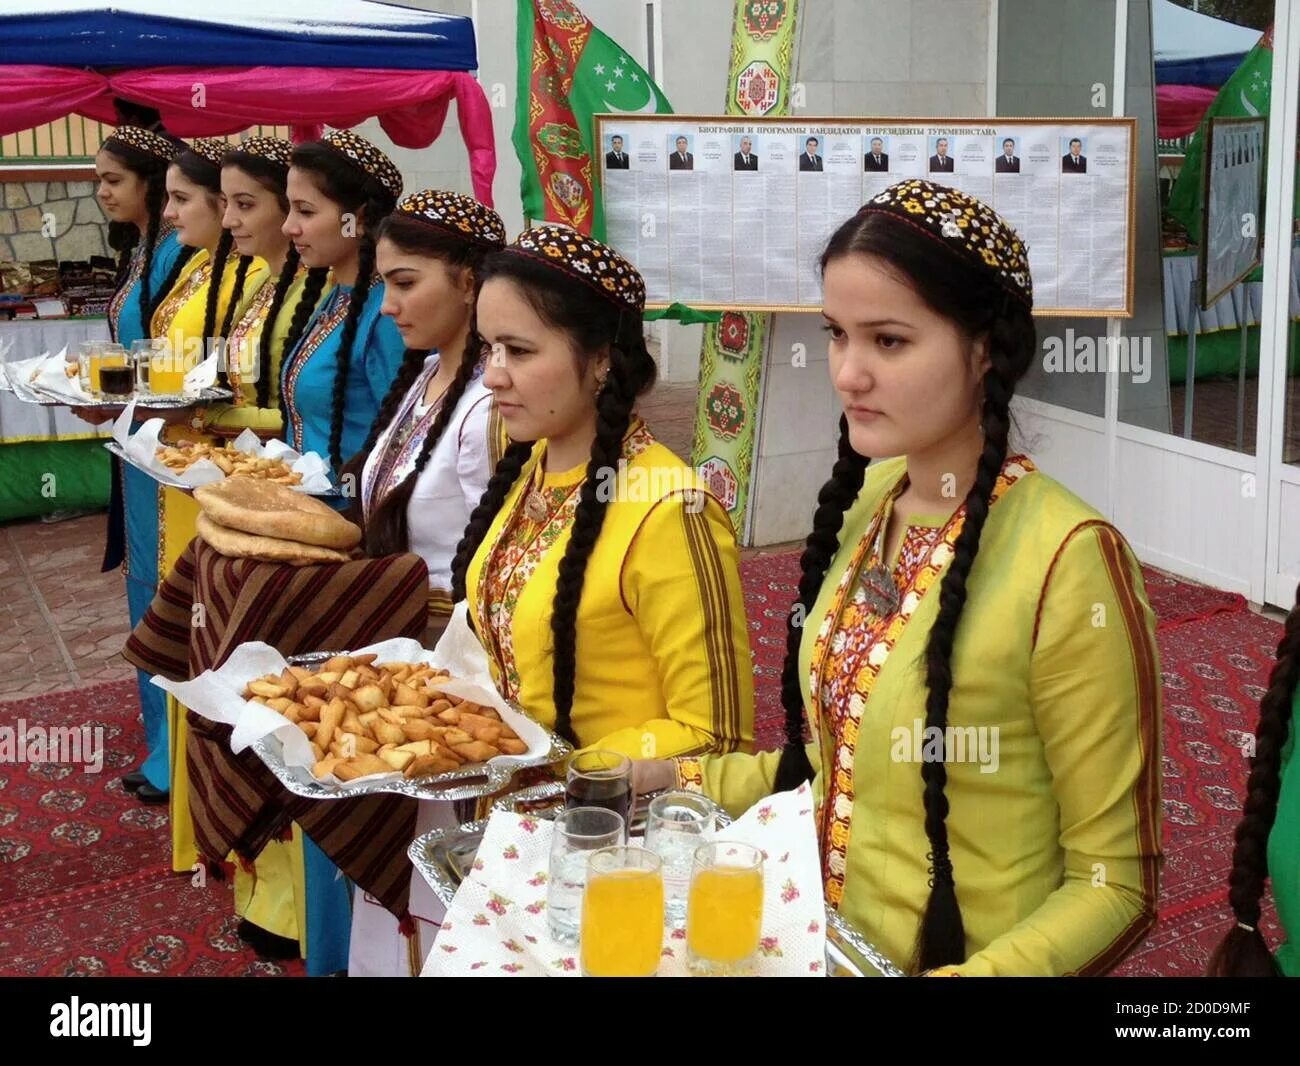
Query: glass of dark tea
point(600, 779)
point(116, 382)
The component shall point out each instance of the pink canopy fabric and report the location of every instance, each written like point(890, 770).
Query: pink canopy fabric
point(411, 105)
point(1179, 108)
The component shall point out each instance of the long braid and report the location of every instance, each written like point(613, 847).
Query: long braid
point(224, 244)
point(311, 293)
point(941, 939)
point(498, 488)
point(155, 194)
point(834, 499)
point(1244, 952)
point(387, 531)
point(219, 257)
point(356, 305)
point(412, 365)
point(266, 369)
point(236, 295)
point(168, 284)
point(613, 415)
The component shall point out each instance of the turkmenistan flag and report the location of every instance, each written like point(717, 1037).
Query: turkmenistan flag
point(568, 72)
point(1245, 94)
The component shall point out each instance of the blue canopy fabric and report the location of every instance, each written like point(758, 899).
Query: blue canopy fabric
point(279, 33)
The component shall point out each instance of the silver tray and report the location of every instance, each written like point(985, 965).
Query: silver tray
point(171, 481)
point(443, 856)
point(29, 393)
point(469, 782)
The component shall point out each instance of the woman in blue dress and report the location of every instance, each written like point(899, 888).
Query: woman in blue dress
point(332, 382)
point(132, 168)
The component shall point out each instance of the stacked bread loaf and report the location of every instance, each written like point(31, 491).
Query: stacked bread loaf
point(256, 519)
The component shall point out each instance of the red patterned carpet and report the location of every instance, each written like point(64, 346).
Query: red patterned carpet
point(85, 885)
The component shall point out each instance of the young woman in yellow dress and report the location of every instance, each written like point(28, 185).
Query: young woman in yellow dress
point(976, 660)
point(600, 576)
point(208, 295)
point(254, 189)
point(423, 470)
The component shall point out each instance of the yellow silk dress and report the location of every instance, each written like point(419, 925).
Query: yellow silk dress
point(1054, 820)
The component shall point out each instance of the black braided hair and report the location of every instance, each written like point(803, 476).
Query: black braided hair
point(835, 497)
point(504, 476)
point(169, 282)
point(236, 295)
point(268, 369)
point(970, 298)
point(386, 531)
point(311, 293)
point(125, 236)
point(1244, 952)
point(362, 195)
point(594, 325)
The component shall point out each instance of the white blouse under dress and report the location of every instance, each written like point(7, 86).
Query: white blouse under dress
point(448, 490)
point(451, 482)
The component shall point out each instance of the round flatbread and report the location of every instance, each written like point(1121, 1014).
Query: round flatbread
point(270, 510)
point(241, 545)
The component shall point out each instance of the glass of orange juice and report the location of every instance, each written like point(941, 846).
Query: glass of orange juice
point(622, 913)
point(166, 370)
point(724, 910)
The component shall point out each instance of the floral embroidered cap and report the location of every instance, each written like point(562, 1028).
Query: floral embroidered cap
point(459, 215)
point(967, 226)
point(360, 151)
point(273, 149)
point(213, 149)
point(143, 140)
point(585, 259)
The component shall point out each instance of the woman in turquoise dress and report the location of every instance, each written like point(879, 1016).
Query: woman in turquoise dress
point(132, 168)
point(1268, 836)
point(332, 382)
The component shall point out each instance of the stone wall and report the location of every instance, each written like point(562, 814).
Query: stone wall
point(79, 229)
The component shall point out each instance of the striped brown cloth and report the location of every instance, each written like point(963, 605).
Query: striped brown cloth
point(209, 605)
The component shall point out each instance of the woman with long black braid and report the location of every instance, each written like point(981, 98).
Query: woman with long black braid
point(972, 647)
point(340, 359)
point(346, 353)
point(600, 575)
point(1268, 835)
point(132, 169)
point(423, 470)
point(254, 177)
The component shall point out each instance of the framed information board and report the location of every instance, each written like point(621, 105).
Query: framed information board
point(733, 213)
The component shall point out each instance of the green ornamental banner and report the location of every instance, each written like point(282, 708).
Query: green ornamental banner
point(731, 358)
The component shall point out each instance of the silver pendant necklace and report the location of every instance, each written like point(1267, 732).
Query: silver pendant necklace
point(879, 590)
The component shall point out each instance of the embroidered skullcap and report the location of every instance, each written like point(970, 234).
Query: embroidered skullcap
point(213, 149)
point(967, 226)
point(455, 213)
point(362, 153)
point(143, 140)
point(273, 149)
point(586, 260)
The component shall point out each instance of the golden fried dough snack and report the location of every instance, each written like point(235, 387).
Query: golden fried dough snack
point(232, 462)
point(364, 717)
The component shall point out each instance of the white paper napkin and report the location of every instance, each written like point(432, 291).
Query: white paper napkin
point(217, 695)
point(496, 925)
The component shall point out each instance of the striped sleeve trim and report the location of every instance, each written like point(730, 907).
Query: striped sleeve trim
point(711, 586)
point(1146, 797)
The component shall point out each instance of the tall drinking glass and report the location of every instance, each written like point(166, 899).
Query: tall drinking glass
point(141, 356)
point(678, 823)
point(622, 913)
point(600, 779)
point(578, 832)
point(724, 912)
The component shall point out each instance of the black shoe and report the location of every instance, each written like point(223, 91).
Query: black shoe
point(134, 781)
point(268, 945)
point(146, 793)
